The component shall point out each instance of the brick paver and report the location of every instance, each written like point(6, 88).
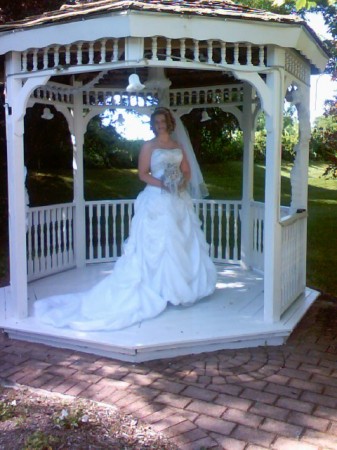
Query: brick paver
point(277, 398)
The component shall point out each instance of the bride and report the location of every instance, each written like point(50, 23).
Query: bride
point(165, 258)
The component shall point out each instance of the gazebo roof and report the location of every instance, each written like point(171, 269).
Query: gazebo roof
point(215, 8)
point(219, 20)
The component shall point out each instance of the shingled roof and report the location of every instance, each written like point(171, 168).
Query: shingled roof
point(213, 8)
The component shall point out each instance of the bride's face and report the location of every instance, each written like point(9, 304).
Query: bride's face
point(160, 124)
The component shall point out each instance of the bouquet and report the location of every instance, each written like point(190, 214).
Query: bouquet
point(172, 178)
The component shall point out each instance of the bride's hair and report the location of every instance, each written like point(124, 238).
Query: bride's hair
point(170, 120)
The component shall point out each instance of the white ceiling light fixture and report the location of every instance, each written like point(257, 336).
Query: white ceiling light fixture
point(47, 114)
point(134, 84)
point(204, 116)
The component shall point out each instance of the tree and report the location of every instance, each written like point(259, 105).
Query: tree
point(17, 10)
point(326, 128)
point(328, 9)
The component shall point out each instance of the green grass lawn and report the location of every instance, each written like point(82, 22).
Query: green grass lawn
point(224, 181)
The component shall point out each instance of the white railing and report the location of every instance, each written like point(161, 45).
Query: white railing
point(257, 242)
point(293, 259)
point(108, 223)
point(50, 233)
point(107, 227)
point(207, 96)
point(50, 239)
point(155, 49)
point(257, 234)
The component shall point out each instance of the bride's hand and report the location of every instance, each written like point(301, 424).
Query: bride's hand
point(183, 185)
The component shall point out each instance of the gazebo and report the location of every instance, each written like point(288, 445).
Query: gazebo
point(200, 54)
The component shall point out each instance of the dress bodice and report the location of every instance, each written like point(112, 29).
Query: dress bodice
point(162, 157)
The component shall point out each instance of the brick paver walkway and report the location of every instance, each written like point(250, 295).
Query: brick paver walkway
point(272, 397)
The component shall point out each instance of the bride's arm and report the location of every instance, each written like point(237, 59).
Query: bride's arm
point(185, 169)
point(144, 161)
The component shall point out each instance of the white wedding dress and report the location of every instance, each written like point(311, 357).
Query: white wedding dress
point(165, 260)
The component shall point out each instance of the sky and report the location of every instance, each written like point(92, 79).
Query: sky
point(322, 88)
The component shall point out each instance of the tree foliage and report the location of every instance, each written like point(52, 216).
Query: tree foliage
point(104, 147)
point(47, 142)
point(327, 8)
point(19, 9)
point(324, 137)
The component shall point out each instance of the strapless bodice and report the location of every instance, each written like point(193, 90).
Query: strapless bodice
point(162, 157)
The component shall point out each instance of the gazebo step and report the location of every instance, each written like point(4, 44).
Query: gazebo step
point(148, 352)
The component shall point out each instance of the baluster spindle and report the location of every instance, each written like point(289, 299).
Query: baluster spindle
point(103, 51)
point(236, 53)
point(212, 215)
point(90, 237)
point(79, 53)
point(114, 56)
point(249, 55)
point(204, 217)
point(168, 50)
point(91, 53)
point(106, 230)
point(63, 242)
point(196, 50)
point(37, 265)
point(236, 216)
point(223, 53)
point(154, 49)
point(220, 217)
point(261, 55)
point(70, 228)
point(183, 49)
point(99, 231)
point(65, 255)
point(35, 52)
point(45, 57)
point(46, 239)
point(68, 54)
point(114, 231)
point(227, 211)
point(260, 237)
point(24, 62)
point(57, 223)
point(210, 51)
point(56, 55)
point(123, 216)
point(29, 216)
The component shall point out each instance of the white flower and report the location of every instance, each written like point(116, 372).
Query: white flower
point(64, 414)
point(172, 178)
point(85, 418)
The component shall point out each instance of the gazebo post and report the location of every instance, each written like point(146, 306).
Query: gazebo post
point(248, 176)
point(16, 188)
point(272, 227)
point(78, 172)
point(299, 172)
point(17, 95)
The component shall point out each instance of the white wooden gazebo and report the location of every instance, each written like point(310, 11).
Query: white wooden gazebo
point(215, 54)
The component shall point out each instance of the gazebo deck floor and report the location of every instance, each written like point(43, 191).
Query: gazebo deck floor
point(230, 318)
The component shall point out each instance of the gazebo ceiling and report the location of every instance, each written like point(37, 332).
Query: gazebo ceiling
point(179, 78)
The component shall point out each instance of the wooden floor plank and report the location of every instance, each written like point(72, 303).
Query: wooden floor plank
point(230, 318)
